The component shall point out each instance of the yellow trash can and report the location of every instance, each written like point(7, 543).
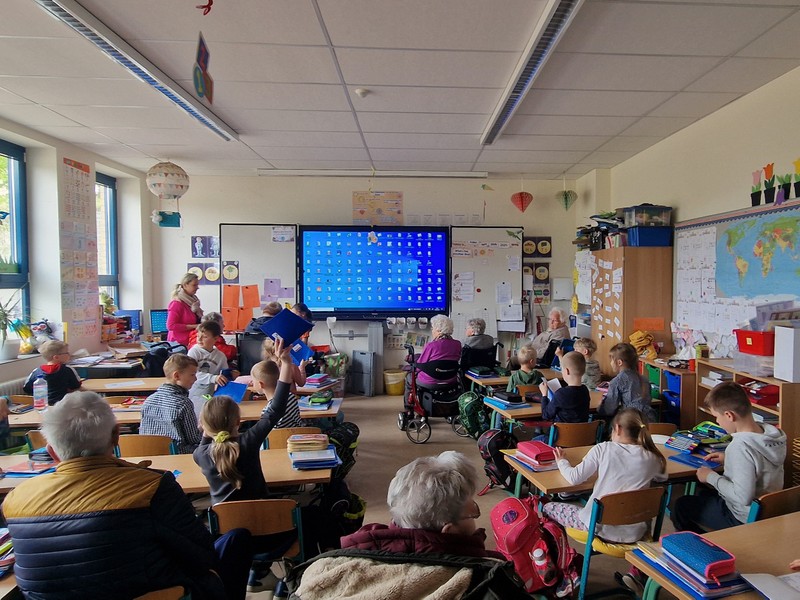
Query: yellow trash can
point(394, 381)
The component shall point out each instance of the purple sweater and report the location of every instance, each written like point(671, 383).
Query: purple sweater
point(441, 349)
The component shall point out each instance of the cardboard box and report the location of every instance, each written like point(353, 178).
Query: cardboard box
point(124, 351)
point(787, 354)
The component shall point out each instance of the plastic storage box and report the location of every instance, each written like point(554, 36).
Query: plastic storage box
point(760, 366)
point(766, 395)
point(650, 236)
point(760, 343)
point(648, 215)
point(673, 382)
point(672, 399)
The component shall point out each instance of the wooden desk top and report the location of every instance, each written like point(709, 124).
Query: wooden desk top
point(535, 409)
point(275, 464)
point(766, 546)
point(551, 482)
point(8, 587)
point(123, 385)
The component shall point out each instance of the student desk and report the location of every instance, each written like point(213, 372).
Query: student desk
point(8, 588)
point(766, 546)
point(275, 464)
point(487, 382)
point(551, 482)
point(134, 385)
point(534, 411)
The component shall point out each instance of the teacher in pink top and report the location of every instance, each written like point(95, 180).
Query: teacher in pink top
point(184, 312)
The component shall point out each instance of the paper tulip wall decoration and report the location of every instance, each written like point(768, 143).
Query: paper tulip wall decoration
point(521, 200)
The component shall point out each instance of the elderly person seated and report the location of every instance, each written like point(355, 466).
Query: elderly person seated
point(102, 528)
point(476, 336)
point(556, 330)
point(441, 347)
point(438, 549)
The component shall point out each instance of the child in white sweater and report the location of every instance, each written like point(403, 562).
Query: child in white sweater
point(211, 363)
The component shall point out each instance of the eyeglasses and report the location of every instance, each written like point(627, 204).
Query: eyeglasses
point(476, 514)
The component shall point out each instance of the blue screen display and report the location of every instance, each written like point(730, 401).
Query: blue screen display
point(362, 273)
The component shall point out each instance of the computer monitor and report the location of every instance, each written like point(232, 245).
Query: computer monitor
point(158, 321)
point(135, 316)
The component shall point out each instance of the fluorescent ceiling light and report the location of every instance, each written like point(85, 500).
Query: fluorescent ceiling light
point(369, 173)
point(90, 27)
point(554, 21)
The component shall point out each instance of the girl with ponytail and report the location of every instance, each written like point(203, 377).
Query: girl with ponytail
point(630, 461)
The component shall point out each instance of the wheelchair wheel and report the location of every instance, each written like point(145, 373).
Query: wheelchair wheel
point(459, 428)
point(402, 421)
point(418, 431)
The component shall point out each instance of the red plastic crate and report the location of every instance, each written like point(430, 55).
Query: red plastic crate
point(761, 343)
point(764, 396)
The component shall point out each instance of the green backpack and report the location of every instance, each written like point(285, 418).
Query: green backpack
point(472, 414)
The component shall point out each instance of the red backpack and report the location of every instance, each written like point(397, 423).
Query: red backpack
point(519, 530)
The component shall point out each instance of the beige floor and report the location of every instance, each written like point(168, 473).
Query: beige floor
point(383, 448)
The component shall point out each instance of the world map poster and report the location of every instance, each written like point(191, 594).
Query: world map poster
point(759, 255)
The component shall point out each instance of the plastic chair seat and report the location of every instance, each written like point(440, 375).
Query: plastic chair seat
point(615, 549)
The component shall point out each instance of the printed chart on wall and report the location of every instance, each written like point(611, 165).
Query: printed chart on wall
point(728, 264)
point(78, 244)
point(487, 278)
point(258, 267)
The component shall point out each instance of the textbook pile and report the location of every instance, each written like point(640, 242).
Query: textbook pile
point(307, 441)
point(6, 552)
point(315, 459)
point(535, 456)
point(317, 401)
point(317, 380)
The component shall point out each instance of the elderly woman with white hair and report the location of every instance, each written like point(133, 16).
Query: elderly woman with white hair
point(476, 335)
point(556, 330)
point(441, 347)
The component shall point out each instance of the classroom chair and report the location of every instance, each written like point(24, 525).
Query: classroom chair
point(144, 445)
point(622, 508)
point(21, 399)
point(662, 428)
point(277, 438)
point(35, 439)
point(174, 593)
point(775, 504)
point(572, 435)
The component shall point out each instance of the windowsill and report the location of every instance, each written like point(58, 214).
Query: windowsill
point(19, 358)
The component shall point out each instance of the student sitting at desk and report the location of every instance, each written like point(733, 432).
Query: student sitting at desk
point(753, 466)
point(265, 379)
point(270, 310)
point(526, 374)
point(60, 378)
point(593, 375)
point(211, 363)
point(628, 389)
point(570, 404)
point(169, 411)
point(229, 350)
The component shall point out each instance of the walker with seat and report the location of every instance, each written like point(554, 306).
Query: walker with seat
point(424, 401)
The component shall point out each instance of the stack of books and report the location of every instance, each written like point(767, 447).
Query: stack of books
point(714, 378)
point(303, 442)
point(317, 401)
point(504, 404)
point(687, 578)
point(534, 456)
point(480, 372)
point(6, 552)
point(317, 380)
point(315, 459)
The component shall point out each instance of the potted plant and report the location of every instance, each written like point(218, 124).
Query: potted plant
point(769, 184)
point(755, 191)
point(9, 349)
point(796, 178)
point(785, 184)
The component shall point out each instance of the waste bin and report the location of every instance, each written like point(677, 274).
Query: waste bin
point(394, 381)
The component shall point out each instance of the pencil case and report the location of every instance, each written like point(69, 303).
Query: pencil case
point(699, 554)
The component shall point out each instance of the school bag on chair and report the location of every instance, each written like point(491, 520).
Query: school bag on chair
point(153, 361)
point(472, 414)
point(519, 530)
point(344, 438)
point(496, 468)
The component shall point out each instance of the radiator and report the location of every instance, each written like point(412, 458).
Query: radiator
point(12, 388)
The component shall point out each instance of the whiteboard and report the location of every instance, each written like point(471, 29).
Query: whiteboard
point(266, 257)
point(486, 277)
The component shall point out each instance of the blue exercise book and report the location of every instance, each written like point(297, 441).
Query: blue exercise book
point(287, 326)
point(237, 391)
point(693, 460)
point(315, 459)
point(505, 405)
point(300, 352)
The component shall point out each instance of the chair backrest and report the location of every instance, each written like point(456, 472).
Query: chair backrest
point(36, 439)
point(626, 508)
point(572, 435)
point(250, 351)
point(662, 428)
point(277, 438)
point(174, 593)
point(259, 517)
point(442, 370)
point(144, 445)
point(21, 399)
point(522, 390)
point(478, 357)
point(775, 504)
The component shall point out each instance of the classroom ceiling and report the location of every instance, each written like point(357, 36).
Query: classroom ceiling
point(625, 75)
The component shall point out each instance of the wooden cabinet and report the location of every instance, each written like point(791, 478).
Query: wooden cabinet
point(685, 381)
point(785, 415)
point(631, 290)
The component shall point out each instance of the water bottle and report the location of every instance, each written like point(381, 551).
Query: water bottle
point(544, 567)
point(40, 394)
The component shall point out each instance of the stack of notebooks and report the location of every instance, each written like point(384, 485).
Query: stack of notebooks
point(317, 401)
point(714, 378)
point(315, 459)
point(480, 372)
point(692, 570)
point(303, 442)
point(317, 380)
point(534, 456)
point(506, 404)
point(6, 552)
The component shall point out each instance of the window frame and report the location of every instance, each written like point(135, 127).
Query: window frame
point(18, 206)
point(112, 246)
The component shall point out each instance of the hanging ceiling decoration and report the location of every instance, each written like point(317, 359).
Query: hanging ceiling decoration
point(566, 198)
point(167, 181)
point(521, 199)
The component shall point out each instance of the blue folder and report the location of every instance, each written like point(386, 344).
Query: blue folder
point(287, 326)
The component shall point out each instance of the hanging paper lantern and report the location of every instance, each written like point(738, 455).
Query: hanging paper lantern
point(521, 200)
point(167, 181)
point(566, 198)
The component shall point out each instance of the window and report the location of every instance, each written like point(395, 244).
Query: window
point(107, 265)
point(14, 291)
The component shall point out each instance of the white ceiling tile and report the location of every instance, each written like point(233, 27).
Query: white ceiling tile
point(254, 121)
point(278, 21)
point(178, 151)
point(427, 100)
point(368, 67)
point(550, 125)
point(413, 155)
point(77, 135)
point(682, 29)
point(693, 104)
point(107, 116)
point(320, 164)
point(34, 116)
point(596, 102)
point(245, 62)
point(533, 156)
point(318, 139)
point(56, 57)
point(781, 41)
point(522, 167)
point(742, 75)
point(25, 18)
point(423, 140)
point(548, 142)
point(444, 24)
point(767, 3)
point(629, 143)
point(281, 96)
point(608, 159)
point(188, 134)
point(89, 92)
point(658, 126)
point(116, 151)
point(273, 154)
point(9, 97)
point(569, 71)
point(384, 165)
point(393, 122)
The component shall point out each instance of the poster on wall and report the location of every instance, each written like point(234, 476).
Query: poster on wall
point(541, 283)
point(204, 246)
point(230, 271)
point(537, 247)
point(377, 208)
